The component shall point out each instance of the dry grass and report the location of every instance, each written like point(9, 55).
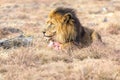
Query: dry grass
point(38, 62)
point(113, 29)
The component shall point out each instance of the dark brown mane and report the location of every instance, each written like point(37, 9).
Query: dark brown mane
point(79, 28)
point(63, 11)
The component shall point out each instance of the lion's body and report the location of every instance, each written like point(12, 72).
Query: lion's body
point(89, 37)
point(64, 27)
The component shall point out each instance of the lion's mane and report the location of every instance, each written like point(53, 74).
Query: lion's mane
point(66, 28)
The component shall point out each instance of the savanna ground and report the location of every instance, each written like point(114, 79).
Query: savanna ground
point(37, 62)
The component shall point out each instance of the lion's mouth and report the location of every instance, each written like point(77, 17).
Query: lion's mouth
point(51, 43)
point(48, 37)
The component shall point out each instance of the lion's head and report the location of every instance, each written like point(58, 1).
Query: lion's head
point(63, 26)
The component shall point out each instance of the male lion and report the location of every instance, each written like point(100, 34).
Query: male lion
point(64, 30)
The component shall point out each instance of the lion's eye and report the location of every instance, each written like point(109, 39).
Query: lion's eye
point(52, 24)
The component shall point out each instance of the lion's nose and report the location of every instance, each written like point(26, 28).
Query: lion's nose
point(44, 32)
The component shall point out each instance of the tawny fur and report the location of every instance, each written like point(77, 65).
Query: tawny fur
point(64, 27)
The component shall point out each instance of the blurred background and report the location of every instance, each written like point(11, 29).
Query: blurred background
point(37, 62)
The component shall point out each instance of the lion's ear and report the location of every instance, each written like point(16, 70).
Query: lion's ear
point(67, 17)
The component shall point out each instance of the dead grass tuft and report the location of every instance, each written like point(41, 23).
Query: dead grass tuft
point(113, 29)
point(38, 62)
